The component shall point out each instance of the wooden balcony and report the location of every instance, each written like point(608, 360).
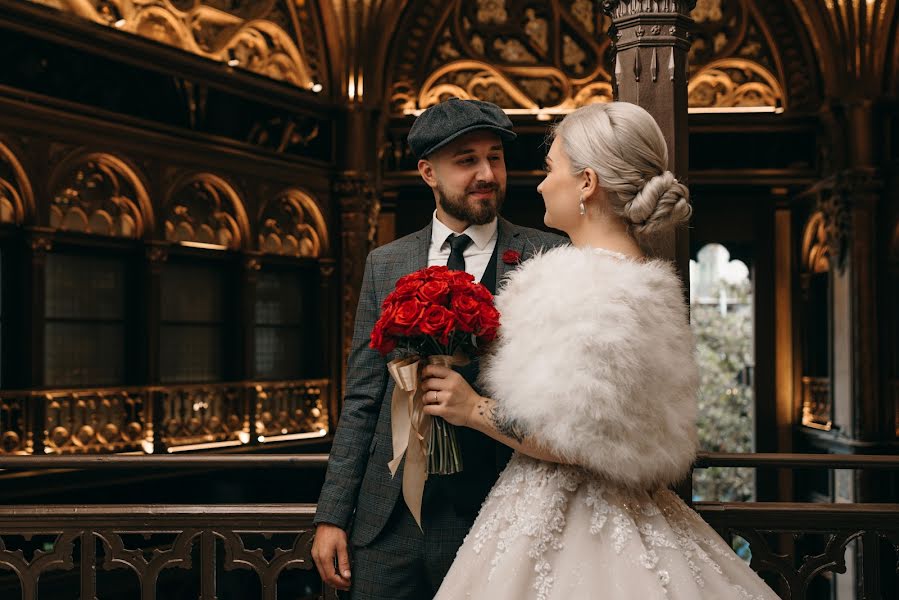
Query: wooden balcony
point(162, 419)
point(190, 551)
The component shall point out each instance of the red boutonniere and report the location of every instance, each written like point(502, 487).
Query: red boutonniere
point(512, 257)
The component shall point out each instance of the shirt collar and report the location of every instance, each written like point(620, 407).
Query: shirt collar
point(481, 235)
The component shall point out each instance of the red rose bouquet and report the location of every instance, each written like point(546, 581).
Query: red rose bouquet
point(436, 311)
point(439, 316)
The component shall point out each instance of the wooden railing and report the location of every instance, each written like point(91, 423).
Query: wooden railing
point(793, 543)
point(59, 550)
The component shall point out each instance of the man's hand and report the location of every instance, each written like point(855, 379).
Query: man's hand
point(329, 549)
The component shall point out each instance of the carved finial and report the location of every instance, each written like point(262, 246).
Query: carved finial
point(671, 64)
point(638, 66)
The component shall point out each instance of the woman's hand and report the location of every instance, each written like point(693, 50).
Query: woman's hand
point(446, 394)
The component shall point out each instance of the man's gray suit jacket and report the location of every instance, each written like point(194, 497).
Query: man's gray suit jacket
point(358, 486)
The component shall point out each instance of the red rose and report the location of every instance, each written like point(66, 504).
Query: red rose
point(512, 257)
point(437, 322)
point(461, 278)
point(403, 292)
point(434, 292)
point(439, 274)
point(466, 310)
point(415, 277)
point(480, 292)
point(488, 323)
point(406, 319)
point(381, 342)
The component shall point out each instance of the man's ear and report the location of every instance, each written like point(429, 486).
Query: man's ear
point(426, 170)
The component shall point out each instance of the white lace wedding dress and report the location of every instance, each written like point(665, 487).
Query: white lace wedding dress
point(595, 360)
point(552, 532)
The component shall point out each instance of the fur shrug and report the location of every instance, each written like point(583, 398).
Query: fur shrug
point(595, 358)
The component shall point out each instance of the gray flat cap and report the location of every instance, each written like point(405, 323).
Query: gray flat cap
point(446, 121)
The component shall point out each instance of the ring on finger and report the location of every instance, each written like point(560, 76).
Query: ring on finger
point(435, 396)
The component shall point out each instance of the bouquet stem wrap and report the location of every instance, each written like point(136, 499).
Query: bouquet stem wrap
point(428, 443)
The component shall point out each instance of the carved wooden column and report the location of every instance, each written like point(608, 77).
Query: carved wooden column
point(652, 40)
point(359, 209)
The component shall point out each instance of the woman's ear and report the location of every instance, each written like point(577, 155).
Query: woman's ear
point(589, 183)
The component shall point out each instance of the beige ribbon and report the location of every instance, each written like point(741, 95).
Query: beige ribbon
point(411, 427)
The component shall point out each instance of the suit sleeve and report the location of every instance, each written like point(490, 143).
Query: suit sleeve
point(366, 381)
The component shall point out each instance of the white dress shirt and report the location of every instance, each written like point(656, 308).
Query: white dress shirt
point(478, 253)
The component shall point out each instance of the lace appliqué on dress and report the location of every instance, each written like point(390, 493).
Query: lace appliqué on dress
point(532, 499)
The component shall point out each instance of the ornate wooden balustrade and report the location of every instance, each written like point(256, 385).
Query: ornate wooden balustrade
point(793, 543)
point(162, 418)
point(183, 551)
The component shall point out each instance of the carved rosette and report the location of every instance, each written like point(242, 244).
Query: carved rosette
point(16, 198)
point(101, 195)
point(205, 209)
point(263, 37)
point(293, 225)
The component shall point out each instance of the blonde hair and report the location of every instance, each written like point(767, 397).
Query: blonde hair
point(622, 143)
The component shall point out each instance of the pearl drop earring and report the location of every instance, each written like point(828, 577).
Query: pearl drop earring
point(581, 207)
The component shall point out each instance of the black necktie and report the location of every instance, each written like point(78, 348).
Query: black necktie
point(458, 244)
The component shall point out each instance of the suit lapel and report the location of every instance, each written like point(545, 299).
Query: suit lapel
point(417, 254)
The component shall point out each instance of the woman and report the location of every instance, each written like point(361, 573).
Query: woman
point(593, 381)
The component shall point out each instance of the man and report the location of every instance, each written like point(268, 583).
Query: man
point(386, 556)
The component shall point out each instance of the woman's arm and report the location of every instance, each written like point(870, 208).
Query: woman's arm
point(446, 394)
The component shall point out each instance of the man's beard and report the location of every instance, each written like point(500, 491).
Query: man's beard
point(473, 212)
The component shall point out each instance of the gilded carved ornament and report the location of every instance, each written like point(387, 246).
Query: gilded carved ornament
point(503, 52)
point(206, 211)
point(99, 194)
point(815, 245)
point(292, 225)
point(255, 36)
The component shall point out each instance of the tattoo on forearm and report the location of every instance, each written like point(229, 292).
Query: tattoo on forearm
point(511, 428)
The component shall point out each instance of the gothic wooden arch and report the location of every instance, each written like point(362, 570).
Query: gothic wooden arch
point(100, 193)
point(16, 196)
point(526, 58)
point(205, 208)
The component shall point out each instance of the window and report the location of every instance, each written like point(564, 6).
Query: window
point(84, 320)
point(192, 324)
point(721, 316)
point(278, 326)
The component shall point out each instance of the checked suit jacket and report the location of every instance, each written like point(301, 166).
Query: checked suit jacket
point(358, 487)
